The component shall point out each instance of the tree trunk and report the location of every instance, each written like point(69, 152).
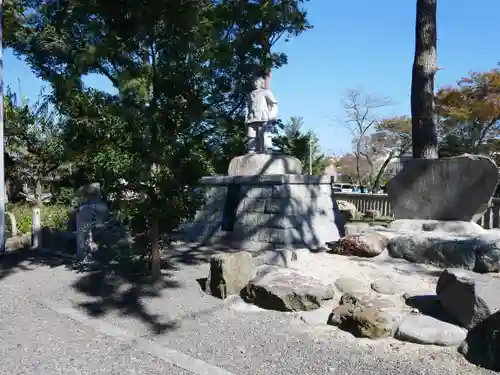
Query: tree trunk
point(381, 171)
point(358, 154)
point(424, 129)
point(155, 250)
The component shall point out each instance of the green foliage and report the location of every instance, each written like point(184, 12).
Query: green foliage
point(180, 70)
point(34, 146)
point(469, 115)
point(53, 216)
point(22, 213)
point(291, 141)
point(64, 196)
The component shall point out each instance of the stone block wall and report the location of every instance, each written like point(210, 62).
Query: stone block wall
point(267, 212)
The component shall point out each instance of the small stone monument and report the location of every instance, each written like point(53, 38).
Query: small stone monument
point(93, 211)
point(265, 202)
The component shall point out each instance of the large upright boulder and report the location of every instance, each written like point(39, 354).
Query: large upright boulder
point(467, 296)
point(229, 274)
point(456, 188)
point(482, 344)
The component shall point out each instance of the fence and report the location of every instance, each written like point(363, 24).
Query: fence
point(379, 202)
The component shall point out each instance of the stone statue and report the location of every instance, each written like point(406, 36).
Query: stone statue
point(261, 117)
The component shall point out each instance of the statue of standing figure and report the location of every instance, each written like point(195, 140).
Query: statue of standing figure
point(261, 118)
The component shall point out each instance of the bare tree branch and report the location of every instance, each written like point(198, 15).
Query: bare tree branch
point(361, 118)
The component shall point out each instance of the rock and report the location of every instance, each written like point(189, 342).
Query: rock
point(300, 255)
point(467, 296)
point(456, 188)
point(316, 317)
point(279, 258)
point(416, 225)
point(287, 290)
point(429, 304)
point(386, 286)
point(367, 299)
point(356, 228)
point(350, 285)
point(264, 164)
point(366, 314)
point(348, 209)
point(18, 242)
point(339, 313)
point(237, 303)
point(229, 273)
point(361, 321)
point(482, 344)
point(367, 244)
point(423, 329)
point(264, 269)
point(480, 252)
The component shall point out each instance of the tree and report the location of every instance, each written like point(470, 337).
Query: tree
point(180, 69)
point(357, 170)
point(470, 114)
point(391, 139)
point(291, 141)
point(360, 121)
point(33, 141)
point(423, 114)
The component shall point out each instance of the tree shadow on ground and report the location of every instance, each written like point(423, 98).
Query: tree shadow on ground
point(192, 254)
point(115, 289)
point(110, 287)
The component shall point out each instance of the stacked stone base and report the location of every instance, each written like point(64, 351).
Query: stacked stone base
point(266, 212)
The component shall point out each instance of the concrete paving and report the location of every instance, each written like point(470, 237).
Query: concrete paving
point(57, 320)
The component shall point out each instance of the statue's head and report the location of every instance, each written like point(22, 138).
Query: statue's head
point(259, 83)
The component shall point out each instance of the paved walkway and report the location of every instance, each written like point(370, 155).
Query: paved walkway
point(55, 320)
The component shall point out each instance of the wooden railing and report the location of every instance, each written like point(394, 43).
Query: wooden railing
point(379, 202)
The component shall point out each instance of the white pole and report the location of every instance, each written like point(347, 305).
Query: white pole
point(310, 155)
point(2, 166)
point(36, 228)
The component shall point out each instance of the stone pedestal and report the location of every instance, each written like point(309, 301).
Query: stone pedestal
point(263, 212)
point(457, 188)
point(264, 164)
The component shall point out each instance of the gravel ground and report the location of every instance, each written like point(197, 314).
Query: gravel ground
point(37, 339)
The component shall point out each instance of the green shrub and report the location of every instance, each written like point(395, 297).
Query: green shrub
point(53, 216)
point(64, 196)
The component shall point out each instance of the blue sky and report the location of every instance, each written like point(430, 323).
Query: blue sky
point(356, 44)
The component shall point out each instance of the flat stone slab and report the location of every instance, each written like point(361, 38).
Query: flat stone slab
point(285, 289)
point(467, 296)
point(264, 164)
point(477, 252)
point(457, 188)
point(446, 226)
point(386, 286)
point(424, 329)
point(350, 285)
